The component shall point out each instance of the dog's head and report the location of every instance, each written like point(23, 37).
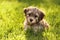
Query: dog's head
point(33, 15)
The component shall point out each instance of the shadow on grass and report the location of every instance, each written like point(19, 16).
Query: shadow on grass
point(32, 2)
point(31, 35)
point(38, 2)
point(57, 2)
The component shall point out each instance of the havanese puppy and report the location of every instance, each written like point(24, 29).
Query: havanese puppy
point(34, 19)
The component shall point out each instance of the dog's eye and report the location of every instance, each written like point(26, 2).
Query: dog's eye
point(29, 14)
point(36, 16)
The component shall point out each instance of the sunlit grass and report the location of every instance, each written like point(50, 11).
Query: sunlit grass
point(12, 18)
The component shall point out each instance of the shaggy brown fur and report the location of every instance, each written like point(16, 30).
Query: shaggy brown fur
point(34, 19)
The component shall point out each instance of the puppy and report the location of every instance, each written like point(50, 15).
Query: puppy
point(34, 19)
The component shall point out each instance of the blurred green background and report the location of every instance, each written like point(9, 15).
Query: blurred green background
point(12, 18)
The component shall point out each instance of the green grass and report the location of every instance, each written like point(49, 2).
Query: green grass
point(12, 18)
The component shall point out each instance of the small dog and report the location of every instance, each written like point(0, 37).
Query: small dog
point(34, 19)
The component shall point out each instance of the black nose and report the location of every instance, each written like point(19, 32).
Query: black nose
point(31, 20)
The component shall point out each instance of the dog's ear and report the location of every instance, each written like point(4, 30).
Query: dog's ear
point(41, 15)
point(25, 10)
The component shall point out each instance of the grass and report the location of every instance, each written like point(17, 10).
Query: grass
point(12, 18)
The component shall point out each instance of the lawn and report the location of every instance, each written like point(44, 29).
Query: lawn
point(12, 19)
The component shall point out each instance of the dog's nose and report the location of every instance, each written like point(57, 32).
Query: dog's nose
point(31, 20)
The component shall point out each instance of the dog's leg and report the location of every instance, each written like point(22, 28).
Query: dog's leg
point(44, 23)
